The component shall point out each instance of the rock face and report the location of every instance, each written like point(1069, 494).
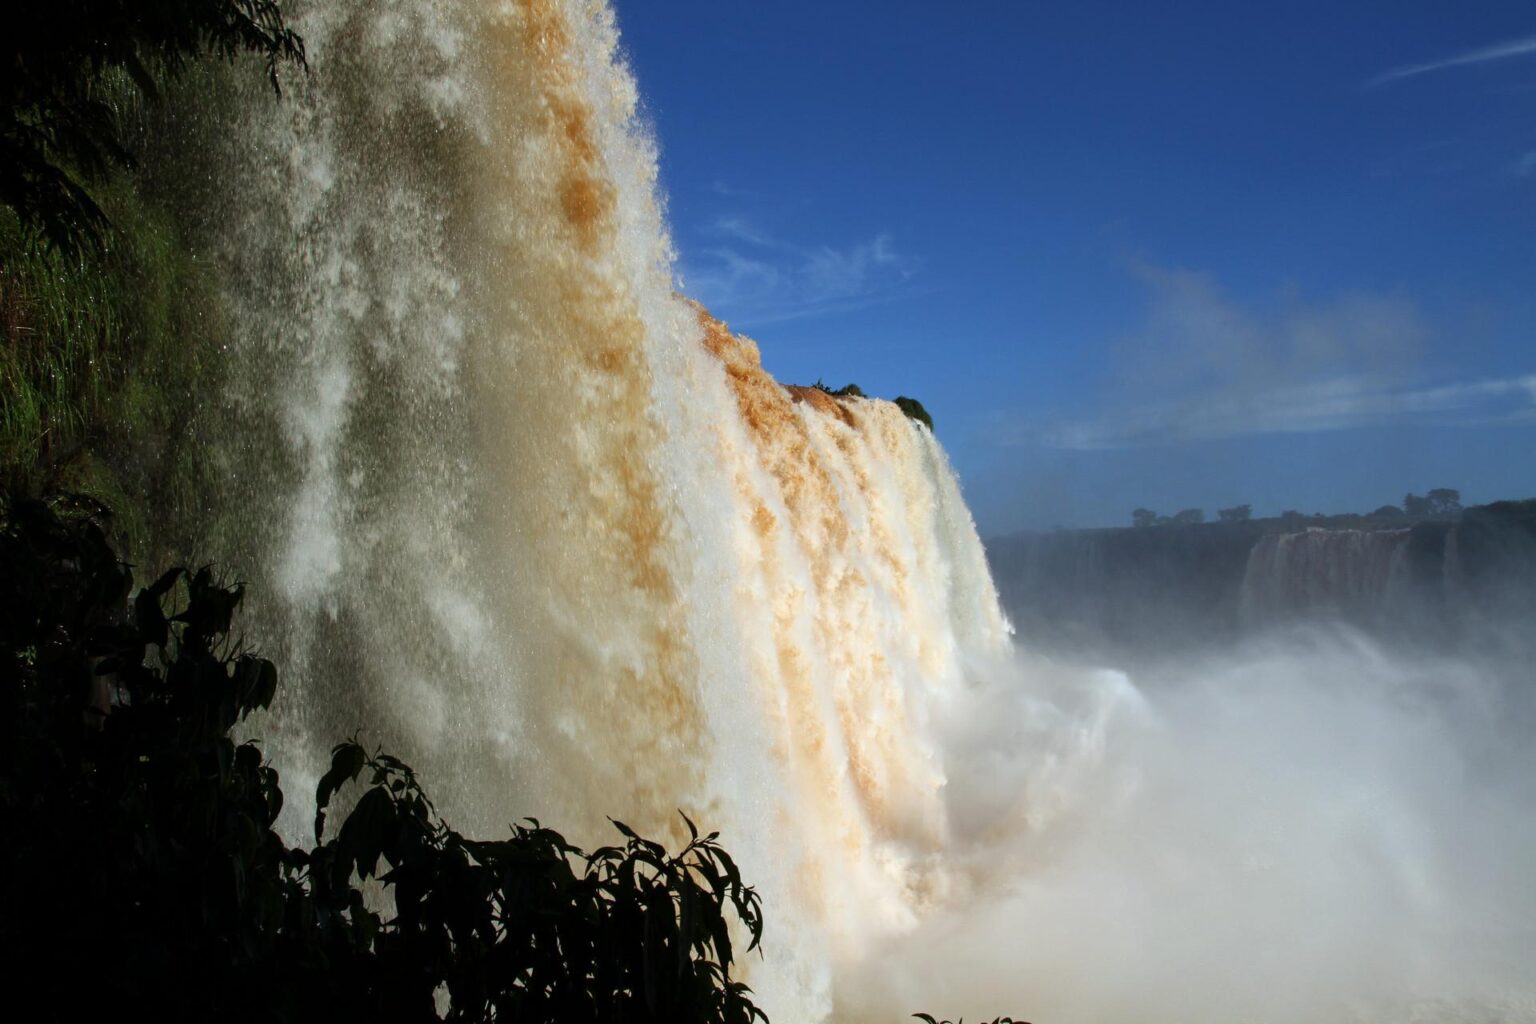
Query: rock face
point(1172, 588)
point(762, 399)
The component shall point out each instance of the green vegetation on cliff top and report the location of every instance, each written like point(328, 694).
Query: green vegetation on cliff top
point(911, 406)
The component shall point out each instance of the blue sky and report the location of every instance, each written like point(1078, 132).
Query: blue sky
point(1171, 255)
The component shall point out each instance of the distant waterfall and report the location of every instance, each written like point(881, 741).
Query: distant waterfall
point(1322, 572)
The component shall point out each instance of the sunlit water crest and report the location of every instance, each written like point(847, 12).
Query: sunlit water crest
point(518, 512)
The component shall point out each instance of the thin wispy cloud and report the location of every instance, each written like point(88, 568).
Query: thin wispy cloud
point(853, 271)
point(741, 229)
point(1498, 51)
point(749, 275)
point(1203, 368)
point(721, 188)
point(1338, 404)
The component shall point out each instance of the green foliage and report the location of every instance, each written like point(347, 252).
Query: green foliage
point(66, 73)
point(1509, 511)
point(139, 843)
point(102, 356)
point(1143, 517)
point(1189, 517)
point(911, 406)
point(846, 391)
point(141, 853)
point(529, 927)
point(1444, 501)
point(1235, 514)
point(61, 328)
point(914, 410)
point(1441, 502)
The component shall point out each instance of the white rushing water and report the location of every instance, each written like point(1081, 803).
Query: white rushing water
point(1326, 569)
point(521, 514)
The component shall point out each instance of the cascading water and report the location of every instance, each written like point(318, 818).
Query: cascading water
point(1325, 571)
point(521, 514)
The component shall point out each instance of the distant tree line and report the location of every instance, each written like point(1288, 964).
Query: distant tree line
point(1438, 503)
point(1147, 517)
point(1442, 501)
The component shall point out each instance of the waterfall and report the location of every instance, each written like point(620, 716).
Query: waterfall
point(1318, 572)
point(515, 510)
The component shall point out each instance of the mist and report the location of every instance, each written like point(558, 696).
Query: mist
point(1306, 824)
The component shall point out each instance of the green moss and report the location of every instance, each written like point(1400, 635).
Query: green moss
point(103, 357)
point(88, 474)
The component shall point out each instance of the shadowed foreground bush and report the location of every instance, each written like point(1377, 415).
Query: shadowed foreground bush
point(141, 867)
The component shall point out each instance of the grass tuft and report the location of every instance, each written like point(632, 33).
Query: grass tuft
point(104, 359)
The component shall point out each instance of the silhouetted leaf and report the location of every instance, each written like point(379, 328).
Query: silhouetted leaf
point(163, 585)
point(367, 831)
point(347, 760)
point(150, 619)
